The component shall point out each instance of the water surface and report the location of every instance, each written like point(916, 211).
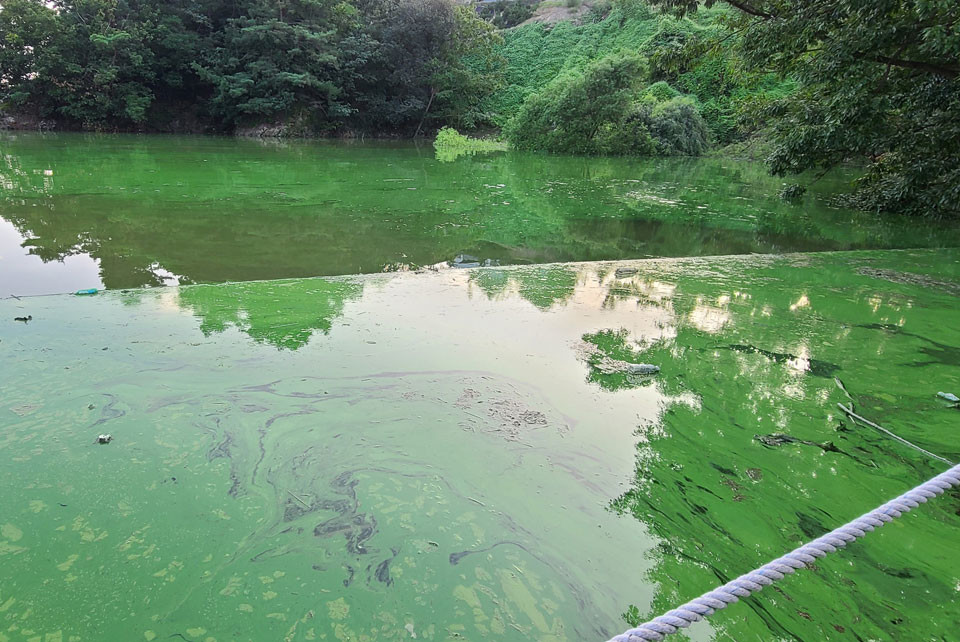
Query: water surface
point(443, 455)
point(80, 211)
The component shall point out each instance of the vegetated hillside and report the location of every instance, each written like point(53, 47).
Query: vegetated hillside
point(694, 56)
point(298, 67)
point(830, 81)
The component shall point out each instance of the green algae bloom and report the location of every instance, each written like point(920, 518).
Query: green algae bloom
point(438, 454)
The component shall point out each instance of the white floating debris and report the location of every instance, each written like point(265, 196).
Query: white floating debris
point(949, 396)
point(642, 369)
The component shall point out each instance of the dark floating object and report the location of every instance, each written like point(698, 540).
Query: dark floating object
point(624, 272)
point(104, 439)
point(889, 433)
point(24, 319)
point(780, 439)
point(816, 367)
point(470, 261)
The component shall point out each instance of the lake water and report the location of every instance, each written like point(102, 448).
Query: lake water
point(446, 454)
point(80, 211)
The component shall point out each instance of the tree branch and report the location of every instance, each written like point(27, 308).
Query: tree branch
point(750, 9)
point(948, 72)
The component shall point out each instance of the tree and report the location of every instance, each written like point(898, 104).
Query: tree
point(97, 63)
point(605, 110)
point(26, 28)
point(314, 66)
point(281, 60)
point(433, 61)
point(581, 113)
point(879, 81)
point(471, 68)
point(676, 126)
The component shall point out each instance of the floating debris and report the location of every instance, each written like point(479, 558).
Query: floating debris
point(470, 261)
point(624, 272)
point(910, 278)
point(86, 292)
point(780, 439)
point(641, 369)
point(24, 319)
point(814, 366)
point(890, 433)
point(104, 439)
point(299, 499)
point(608, 365)
point(949, 396)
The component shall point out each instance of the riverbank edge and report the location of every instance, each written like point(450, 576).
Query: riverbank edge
point(443, 268)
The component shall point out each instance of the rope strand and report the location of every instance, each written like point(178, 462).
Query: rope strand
point(708, 603)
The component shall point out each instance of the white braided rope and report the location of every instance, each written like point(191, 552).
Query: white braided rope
point(705, 605)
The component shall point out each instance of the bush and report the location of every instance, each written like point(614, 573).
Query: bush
point(678, 128)
point(659, 92)
point(577, 112)
point(605, 111)
point(450, 144)
point(696, 56)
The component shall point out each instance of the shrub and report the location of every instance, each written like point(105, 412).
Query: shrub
point(696, 55)
point(604, 111)
point(576, 113)
point(678, 128)
point(659, 92)
point(449, 144)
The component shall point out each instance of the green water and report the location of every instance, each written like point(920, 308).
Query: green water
point(81, 211)
point(440, 454)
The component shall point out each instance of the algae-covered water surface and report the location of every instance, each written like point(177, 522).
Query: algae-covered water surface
point(81, 211)
point(448, 455)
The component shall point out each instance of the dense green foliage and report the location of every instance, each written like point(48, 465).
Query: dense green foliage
point(825, 83)
point(95, 60)
point(314, 65)
point(678, 52)
point(584, 113)
point(603, 110)
point(878, 80)
point(278, 59)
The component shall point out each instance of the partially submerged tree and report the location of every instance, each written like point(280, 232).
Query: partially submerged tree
point(879, 80)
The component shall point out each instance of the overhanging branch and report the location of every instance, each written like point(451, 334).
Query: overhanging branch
point(947, 72)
